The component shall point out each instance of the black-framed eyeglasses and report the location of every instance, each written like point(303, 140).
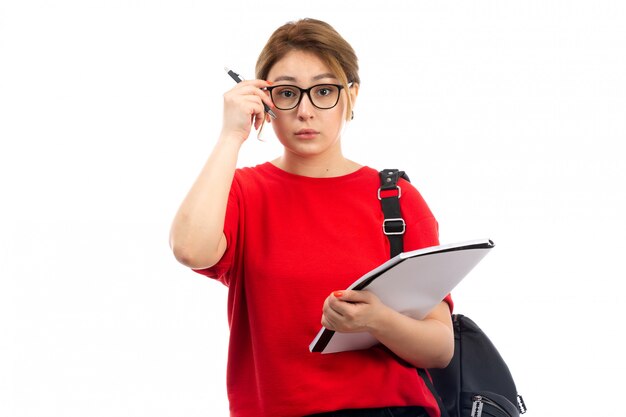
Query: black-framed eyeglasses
point(322, 96)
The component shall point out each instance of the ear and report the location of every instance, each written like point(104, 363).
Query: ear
point(354, 92)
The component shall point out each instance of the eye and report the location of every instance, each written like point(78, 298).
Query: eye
point(286, 92)
point(325, 90)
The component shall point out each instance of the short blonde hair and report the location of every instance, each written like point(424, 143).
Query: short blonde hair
point(319, 38)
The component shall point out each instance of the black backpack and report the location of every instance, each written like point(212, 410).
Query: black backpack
point(477, 382)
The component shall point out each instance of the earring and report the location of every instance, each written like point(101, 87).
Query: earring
point(352, 116)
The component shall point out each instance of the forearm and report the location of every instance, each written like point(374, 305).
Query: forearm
point(427, 343)
point(198, 226)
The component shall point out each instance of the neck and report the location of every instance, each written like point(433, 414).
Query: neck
point(317, 166)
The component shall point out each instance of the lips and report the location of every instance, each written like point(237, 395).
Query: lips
point(307, 133)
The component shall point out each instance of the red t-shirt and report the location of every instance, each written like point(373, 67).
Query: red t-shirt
point(292, 240)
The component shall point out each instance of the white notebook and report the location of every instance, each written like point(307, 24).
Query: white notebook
point(412, 283)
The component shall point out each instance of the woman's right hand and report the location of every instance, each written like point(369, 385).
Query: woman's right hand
point(243, 108)
point(197, 234)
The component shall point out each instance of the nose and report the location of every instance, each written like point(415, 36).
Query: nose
point(305, 108)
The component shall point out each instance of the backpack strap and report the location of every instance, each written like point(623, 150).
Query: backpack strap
point(389, 195)
point(394, 227)
point(429, 384)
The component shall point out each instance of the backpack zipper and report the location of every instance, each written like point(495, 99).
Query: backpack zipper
point(477, 406)
point(521, 404)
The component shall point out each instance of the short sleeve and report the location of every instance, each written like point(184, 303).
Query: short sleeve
point(422, 229)
point(448, 300)
point(221, 270)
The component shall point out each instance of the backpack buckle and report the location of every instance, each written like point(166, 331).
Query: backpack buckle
point(390, 189)
point(396, 226)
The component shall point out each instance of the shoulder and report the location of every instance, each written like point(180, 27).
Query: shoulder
point(245, 174)
point(409, 189)
point(412, 198)
point(254, 177)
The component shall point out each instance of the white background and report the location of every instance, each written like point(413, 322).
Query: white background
point(508, 116)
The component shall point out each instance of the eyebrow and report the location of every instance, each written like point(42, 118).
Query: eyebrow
point(316, 78)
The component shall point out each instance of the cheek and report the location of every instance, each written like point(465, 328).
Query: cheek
point(337, 121)
point(342, 108)
point(278, 127)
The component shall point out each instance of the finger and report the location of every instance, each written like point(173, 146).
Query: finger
point(244, 92)
point(342, 301)
point(255, 88)
point(258, 89)
point(248, 109)
point(253, 105)
point(332, 306)
point(328, 324)
point(352, 296)
point(331, 320)
point(258, 121)
point(264, 95)
point(256, 83)
point(247, 103)
point(339, 309)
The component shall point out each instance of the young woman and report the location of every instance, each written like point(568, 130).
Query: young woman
point(289, 235)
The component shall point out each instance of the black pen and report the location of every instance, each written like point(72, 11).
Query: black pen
point(238, 79)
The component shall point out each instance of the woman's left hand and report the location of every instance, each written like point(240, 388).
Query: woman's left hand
point(352, 311)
